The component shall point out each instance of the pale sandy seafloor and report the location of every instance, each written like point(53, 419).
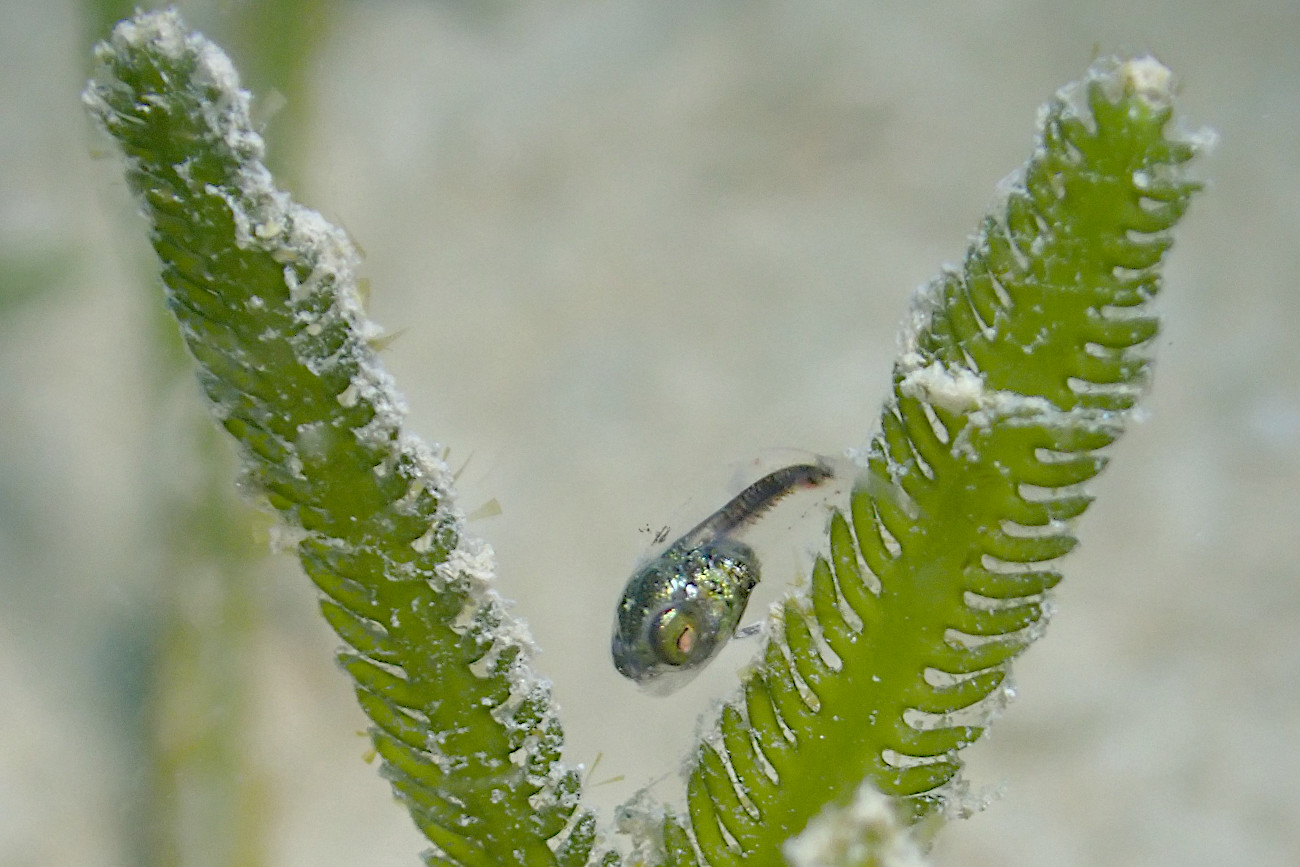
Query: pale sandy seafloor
point(631, 247)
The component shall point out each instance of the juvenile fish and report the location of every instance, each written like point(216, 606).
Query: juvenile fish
point(680, 609)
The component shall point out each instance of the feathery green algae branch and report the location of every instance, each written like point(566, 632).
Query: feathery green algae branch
point(266, 297)
point(1015, 373)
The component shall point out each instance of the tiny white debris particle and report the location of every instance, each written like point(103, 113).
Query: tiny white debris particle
point(642, 819)
point(472, 559)
point(1150, 78)
point(348, 397)
point(866, 831)
point(269, 229)
point(956, 389)
point(424, 544)
point(313, 440)
point(283, 537)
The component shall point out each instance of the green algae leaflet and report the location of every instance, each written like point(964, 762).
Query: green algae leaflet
point(680, 609)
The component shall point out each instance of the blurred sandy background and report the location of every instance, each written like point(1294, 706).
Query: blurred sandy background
point(632, 244)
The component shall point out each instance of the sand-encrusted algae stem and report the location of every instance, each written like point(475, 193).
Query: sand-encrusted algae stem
point(1017, 374)
point(265, 294)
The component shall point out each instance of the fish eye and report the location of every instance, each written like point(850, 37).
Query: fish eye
point(675, 635)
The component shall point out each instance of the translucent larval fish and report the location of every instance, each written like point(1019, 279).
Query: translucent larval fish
point(680, 609)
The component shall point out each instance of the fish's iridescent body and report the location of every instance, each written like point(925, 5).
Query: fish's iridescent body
point(680, 609)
